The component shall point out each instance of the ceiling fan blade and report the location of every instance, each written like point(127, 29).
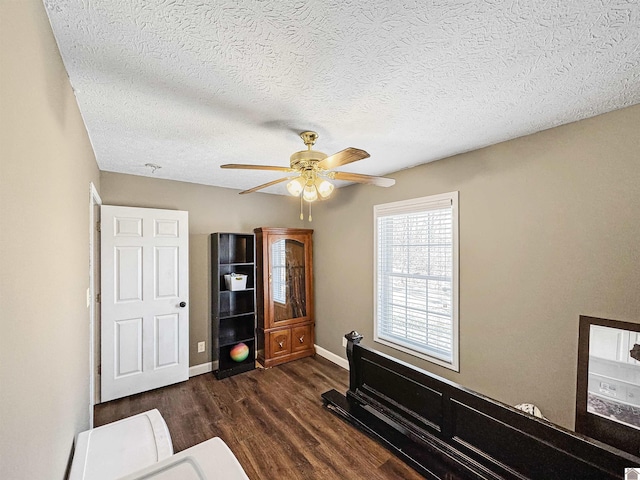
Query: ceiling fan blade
point(343, 157)
point(265, 185)
point(360, 178)
point(257, 167)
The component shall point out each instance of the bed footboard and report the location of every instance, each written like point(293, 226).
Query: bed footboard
point(444, 430)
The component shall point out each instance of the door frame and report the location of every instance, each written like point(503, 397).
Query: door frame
point(94, 259)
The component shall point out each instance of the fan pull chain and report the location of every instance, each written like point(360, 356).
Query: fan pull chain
point(310, 219)
point(301, 213)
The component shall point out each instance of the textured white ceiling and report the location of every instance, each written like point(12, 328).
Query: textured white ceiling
point(193, 84)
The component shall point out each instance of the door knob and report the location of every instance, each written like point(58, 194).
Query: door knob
point(183, 304)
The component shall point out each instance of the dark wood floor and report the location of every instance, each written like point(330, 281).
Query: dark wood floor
point(273, 421)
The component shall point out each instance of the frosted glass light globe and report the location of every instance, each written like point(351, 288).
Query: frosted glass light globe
point(295, 186)
point(310, 193)
point(324, 187)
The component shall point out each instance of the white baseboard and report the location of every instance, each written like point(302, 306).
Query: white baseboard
point(200, 369)
point(332, 357)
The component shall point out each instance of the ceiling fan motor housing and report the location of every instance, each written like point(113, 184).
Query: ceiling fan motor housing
point(306, 159)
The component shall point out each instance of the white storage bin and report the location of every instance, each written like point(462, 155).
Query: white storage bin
point(235, 281)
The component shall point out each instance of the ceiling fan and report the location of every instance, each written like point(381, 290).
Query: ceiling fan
point(311, 171)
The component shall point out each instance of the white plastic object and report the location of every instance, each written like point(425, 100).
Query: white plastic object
point(121, 447)
point(208, 460)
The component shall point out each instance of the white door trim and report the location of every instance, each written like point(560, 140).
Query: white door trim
point(94, 199)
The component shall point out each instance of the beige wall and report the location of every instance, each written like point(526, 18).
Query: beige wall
point(211, 209)
point(549, 230)
point(46, 165)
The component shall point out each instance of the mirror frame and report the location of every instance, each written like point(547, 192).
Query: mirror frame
point(608, 431)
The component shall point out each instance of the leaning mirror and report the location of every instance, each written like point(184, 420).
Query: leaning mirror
point(608, 395)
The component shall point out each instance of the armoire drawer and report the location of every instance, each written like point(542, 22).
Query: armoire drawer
point(280, 342)
point(301, 338)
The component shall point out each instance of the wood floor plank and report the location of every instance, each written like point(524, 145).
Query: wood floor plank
point(272, 419)
point(396, 468)
point(343, 442)
point(271, 459)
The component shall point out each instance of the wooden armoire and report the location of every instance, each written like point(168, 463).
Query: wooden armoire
point(285, 294)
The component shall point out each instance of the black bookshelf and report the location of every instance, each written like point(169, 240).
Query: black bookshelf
point(233, 312)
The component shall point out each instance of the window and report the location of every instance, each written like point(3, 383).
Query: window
point(416, 277)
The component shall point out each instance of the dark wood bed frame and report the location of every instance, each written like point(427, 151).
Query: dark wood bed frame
point(445, 431)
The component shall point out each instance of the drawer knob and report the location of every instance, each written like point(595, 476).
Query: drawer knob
point(301, 339)
point(281, 343)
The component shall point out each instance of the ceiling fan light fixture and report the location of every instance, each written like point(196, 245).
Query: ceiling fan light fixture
point(295, 186)
point(311, 172)
point(310, 193)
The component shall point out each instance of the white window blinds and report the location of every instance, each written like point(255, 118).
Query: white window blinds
point(279, 272)
point(416, 277)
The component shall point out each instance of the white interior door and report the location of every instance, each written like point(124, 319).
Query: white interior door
point(144, 301)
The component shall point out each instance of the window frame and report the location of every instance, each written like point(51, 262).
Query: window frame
point(407, 207)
